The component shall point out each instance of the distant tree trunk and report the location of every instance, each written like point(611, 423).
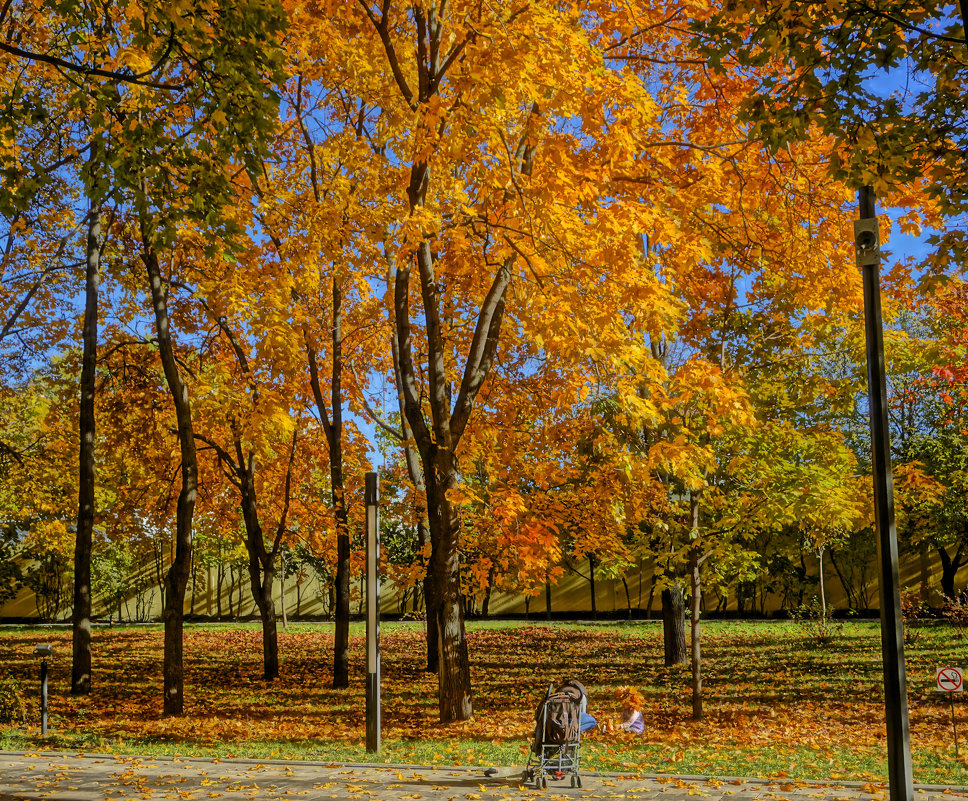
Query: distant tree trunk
point(547, 596)
point(487, 592)
point(220, 577)
point(231, 591)
point(823, 592)
point(628, 597)
point(193, 572)
point(282, 587)
point(949, 569)
point(158, 554)
point(176, 579)
point(86, 482)
point(925, 568)
point(299, 576)
point(591, 584)
point(674, 624)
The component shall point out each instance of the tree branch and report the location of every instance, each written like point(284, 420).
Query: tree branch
point(122, 77)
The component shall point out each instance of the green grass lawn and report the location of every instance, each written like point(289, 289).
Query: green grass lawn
point(777, 702)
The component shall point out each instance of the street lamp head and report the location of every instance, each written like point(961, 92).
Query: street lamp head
point(867, 241)
point(44, 650)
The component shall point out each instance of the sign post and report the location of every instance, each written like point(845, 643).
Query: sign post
point(372, 613)
point(951, 680)
point(867, 246)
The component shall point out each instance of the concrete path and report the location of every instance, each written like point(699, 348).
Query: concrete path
point(99, 777)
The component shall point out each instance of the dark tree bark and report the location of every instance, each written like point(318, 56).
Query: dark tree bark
point(261, 567)
point(220, 577)
point(333, 428)
point(950, 565)
point(431, 601)
point(695, 560)
point(674, 625)
point(282, 587)
point(437, 420)
point(416, 475)
point(176, 579)
point(86, 483)
point(628, 598)
point(486, 604)
point(591, 584)
point(261, 561)
point(453, 660)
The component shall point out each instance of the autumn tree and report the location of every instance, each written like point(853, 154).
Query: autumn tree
point(887, 82)
point(154, 89)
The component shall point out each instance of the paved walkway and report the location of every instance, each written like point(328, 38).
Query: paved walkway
point(79, 777)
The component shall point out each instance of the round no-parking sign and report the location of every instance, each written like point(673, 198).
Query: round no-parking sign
point(950, 680)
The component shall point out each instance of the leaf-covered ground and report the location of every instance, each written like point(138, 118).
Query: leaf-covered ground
point(776, 701)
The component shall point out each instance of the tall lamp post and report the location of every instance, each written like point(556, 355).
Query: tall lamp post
point(372, 613)
point(867, 242)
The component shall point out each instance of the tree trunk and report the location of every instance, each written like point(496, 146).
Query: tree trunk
point(262, 592)
point(86, 482)
point(261, 572)
point(924, 566)
point(299, 576)
point(674, 624)
point(438, 438)
point(176, 579)
point(823, 592)
point(591, 584)
point(695, 552)
point(282, 587)
point(547, 597)
point(431, 603)
point(231, 591)
point(158, 554)
point(695, 652)
point(949, 569)
point(333, 428)
point(485, 606)
point(453, 677)
point(220, 577)
point(628, 597)
point(193, 572)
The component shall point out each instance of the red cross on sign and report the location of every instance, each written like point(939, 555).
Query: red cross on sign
point(950, 680)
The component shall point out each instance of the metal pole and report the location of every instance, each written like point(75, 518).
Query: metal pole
point(892, 632)
point(43, 696)
point(372, 613)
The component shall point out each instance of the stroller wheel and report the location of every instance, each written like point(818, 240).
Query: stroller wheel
point(544, 782)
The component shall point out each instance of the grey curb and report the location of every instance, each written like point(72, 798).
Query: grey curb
point(470, 769)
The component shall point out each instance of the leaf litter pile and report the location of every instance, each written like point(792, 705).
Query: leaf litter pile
point(776, 702)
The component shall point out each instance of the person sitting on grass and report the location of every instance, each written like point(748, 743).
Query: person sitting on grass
point(632, 705)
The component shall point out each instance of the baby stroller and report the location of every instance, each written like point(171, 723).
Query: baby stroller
point(556, 749)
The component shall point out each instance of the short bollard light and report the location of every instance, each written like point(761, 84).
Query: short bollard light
point(45, 651)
